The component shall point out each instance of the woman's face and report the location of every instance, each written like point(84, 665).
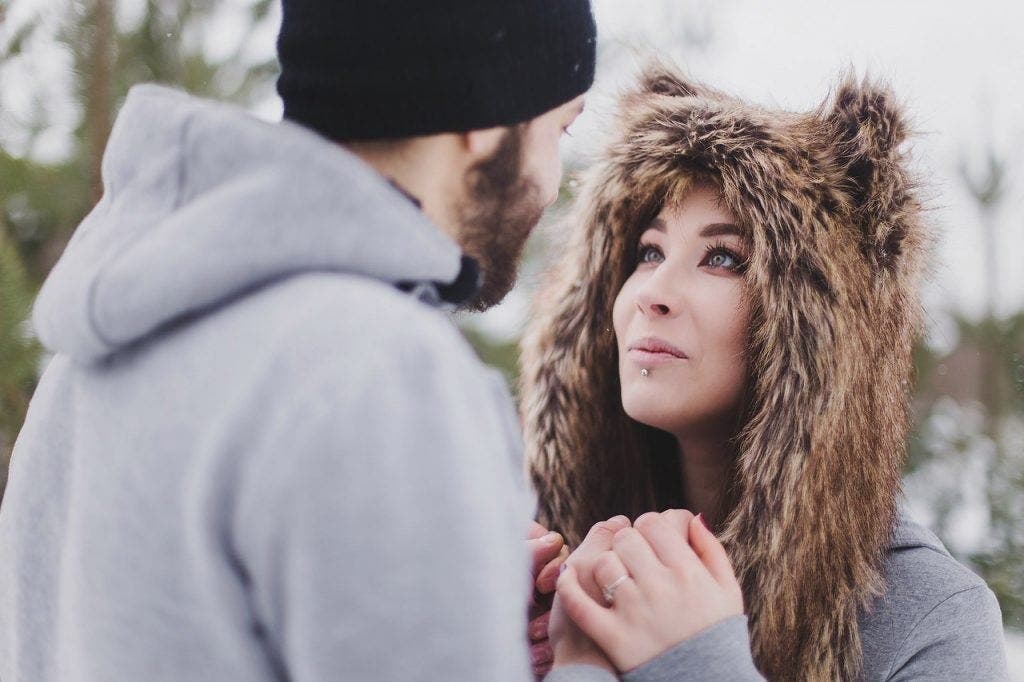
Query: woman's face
point(682, 316)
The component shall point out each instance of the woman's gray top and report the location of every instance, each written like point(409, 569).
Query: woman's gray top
point(938, 620)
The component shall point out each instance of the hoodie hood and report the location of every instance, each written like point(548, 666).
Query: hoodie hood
point(201, 203)
point(837, 246)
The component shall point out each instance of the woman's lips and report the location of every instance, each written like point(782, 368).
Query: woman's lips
point(653, 350)
point(647, 357)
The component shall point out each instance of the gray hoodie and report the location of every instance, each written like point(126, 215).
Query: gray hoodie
point(253, 456)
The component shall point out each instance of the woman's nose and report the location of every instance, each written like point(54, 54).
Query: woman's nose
point(652, 301)
point(656, 309)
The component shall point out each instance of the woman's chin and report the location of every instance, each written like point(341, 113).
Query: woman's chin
point(649, 412)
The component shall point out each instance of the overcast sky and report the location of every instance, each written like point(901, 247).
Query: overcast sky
point(959, 68)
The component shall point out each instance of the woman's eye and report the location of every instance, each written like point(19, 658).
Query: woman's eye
point(718, 257)
point(721, 260)
point(648, 253)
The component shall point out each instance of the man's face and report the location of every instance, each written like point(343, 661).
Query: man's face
point(505, 196)
point(541, 160)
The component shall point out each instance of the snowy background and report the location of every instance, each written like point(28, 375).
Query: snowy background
point(958, 67)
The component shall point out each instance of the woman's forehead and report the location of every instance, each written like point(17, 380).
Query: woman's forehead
point(699, 213)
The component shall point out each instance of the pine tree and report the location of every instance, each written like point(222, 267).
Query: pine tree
point(41, 204)
point(19, 353)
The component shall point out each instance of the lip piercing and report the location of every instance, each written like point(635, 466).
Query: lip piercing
point(644, 372)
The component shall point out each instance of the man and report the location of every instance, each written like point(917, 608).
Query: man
point(262, 451)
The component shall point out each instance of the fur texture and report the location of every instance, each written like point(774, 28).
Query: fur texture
point(838, 245)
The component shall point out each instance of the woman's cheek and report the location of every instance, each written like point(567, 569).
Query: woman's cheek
point(621, 312)
point(736, 368)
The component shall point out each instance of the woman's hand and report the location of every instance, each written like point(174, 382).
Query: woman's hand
point(678, 582)
point(569, 643)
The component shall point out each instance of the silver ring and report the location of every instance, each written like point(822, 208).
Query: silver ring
point(609, 592)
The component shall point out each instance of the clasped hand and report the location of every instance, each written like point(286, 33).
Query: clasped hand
point(629, 593)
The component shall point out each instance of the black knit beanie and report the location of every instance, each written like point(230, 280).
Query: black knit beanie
point(384, 69)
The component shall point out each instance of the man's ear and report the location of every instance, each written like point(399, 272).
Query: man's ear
point(481, 144)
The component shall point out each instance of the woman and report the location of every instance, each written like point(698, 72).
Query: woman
point(731, 334)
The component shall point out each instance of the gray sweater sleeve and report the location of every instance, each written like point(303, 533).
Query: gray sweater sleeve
point(721, 652)
point(961, 638)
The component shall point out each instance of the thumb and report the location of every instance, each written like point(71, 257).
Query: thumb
point(536, 531)
point(543, 550)
point(548, 575)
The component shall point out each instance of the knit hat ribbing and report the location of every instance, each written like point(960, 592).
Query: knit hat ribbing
point(397, 68)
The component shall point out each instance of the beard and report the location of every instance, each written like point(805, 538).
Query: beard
point(500, 209)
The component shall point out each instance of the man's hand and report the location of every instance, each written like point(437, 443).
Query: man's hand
point(547, 552)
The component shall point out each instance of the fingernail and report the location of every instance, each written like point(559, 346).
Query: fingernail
point(703, 520)
point(550, 539)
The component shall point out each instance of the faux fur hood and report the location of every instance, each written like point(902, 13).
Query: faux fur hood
point(837, 247)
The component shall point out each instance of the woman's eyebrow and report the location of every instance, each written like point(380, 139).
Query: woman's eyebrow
point(720, 229)
point(658, 224)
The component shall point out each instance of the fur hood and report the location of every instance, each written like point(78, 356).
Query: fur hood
point(837, 248)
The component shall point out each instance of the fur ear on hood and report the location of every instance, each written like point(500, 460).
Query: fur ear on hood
point(837, 246)
point(661, 80)
point(869, 129)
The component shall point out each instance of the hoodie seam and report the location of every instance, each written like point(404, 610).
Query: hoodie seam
point(179, 183)
point(920, 620)
point(944, 555)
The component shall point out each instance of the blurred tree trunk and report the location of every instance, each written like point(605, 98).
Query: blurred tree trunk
point(99, 92)
point(997, 341)
point(988, 188)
